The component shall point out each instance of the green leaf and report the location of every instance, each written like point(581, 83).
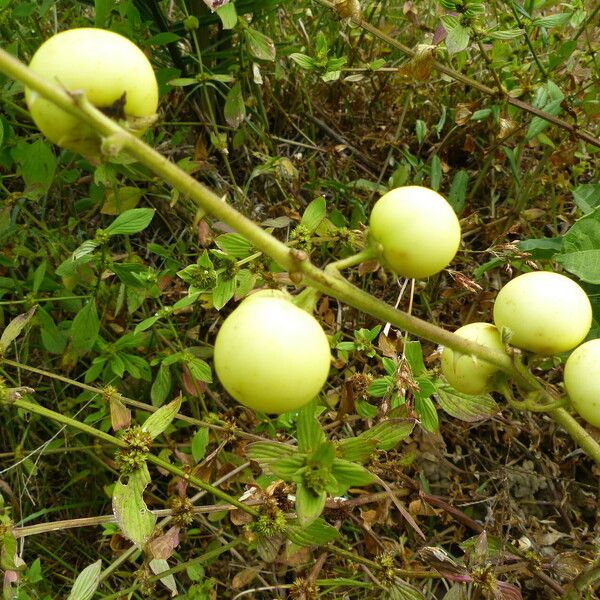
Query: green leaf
point(314, 214)
point(131, 221)
point(87, 582)
point(581, 248)
point(506, 34)
point(37, 165)
point(323, 456)
point(234, 244)
point(259, 45)
point(266, 453)
point(287, 468)
point(85, 328)
point(309, 505)
point(348, 473)
point(388, 433)
point(356, 449)
point(160, 565)
point(133, 517)
point(309, 433)
point(587, 196)
point(464, 407)
point(541, 248)
point(316, 534)
point(158, 421)
point(145, 324)
point(235, 109)
point(414, 357)
point(223, 291)
point(14, 329)
point(53, 338)
point(400, 590)
point(161, 386)
point(556, 20)
point(306, 62)
point(379, 388)
point(458, 191)
point(120, 199)
point(228, 15)
point(436, 172)
point(200, 443)
point(457, 39)
point(428, 416)
point(85, 249)
point(200, 370)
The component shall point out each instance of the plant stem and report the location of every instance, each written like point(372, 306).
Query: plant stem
point(195, 481)
point(206, 557)
point(294, 261)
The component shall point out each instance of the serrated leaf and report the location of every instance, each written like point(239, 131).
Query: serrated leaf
point(314, 214)
point(85, 328)
point(131, 221)
point(287, 468)
point(306, 62)
point(87, 582)
point(556, 20)
point(457, 39)
point(161, 386)
point(14, 329)
point(356, 449)
point(223, 292)
point(200, 443)
point(581, 248)
point(348, 473)
point(259, 45)
point(160, 565)
point(309, 432)
point(309, 505)
point(316, 534)
point(506, 34)
point(414, 356)
point(234, 244)
point(200, 370)
point(400, 590)
point(133, 517)
point(235, 109)
point(266, 453)
point(464, 407)
point(158, 421)
point(85, 249)
point(121, 199)
point(227, 12)
point(587, 196)
point(388, 433)
point(458, 191)
point(428, 416)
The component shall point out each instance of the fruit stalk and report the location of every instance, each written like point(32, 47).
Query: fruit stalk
point(332, 285)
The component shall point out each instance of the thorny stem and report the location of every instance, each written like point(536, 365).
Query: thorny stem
point(332, 285)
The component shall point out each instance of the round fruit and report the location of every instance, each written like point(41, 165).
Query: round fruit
point(582, 381)
point(271, 356)
point(417, 229)
point(547, 313)
point(466, 373)
point(114, 74)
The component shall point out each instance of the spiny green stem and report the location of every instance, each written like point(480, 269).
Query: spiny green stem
point(193, 480)
point(291, 260)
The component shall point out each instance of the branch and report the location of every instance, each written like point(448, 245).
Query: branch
point(295, 262)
